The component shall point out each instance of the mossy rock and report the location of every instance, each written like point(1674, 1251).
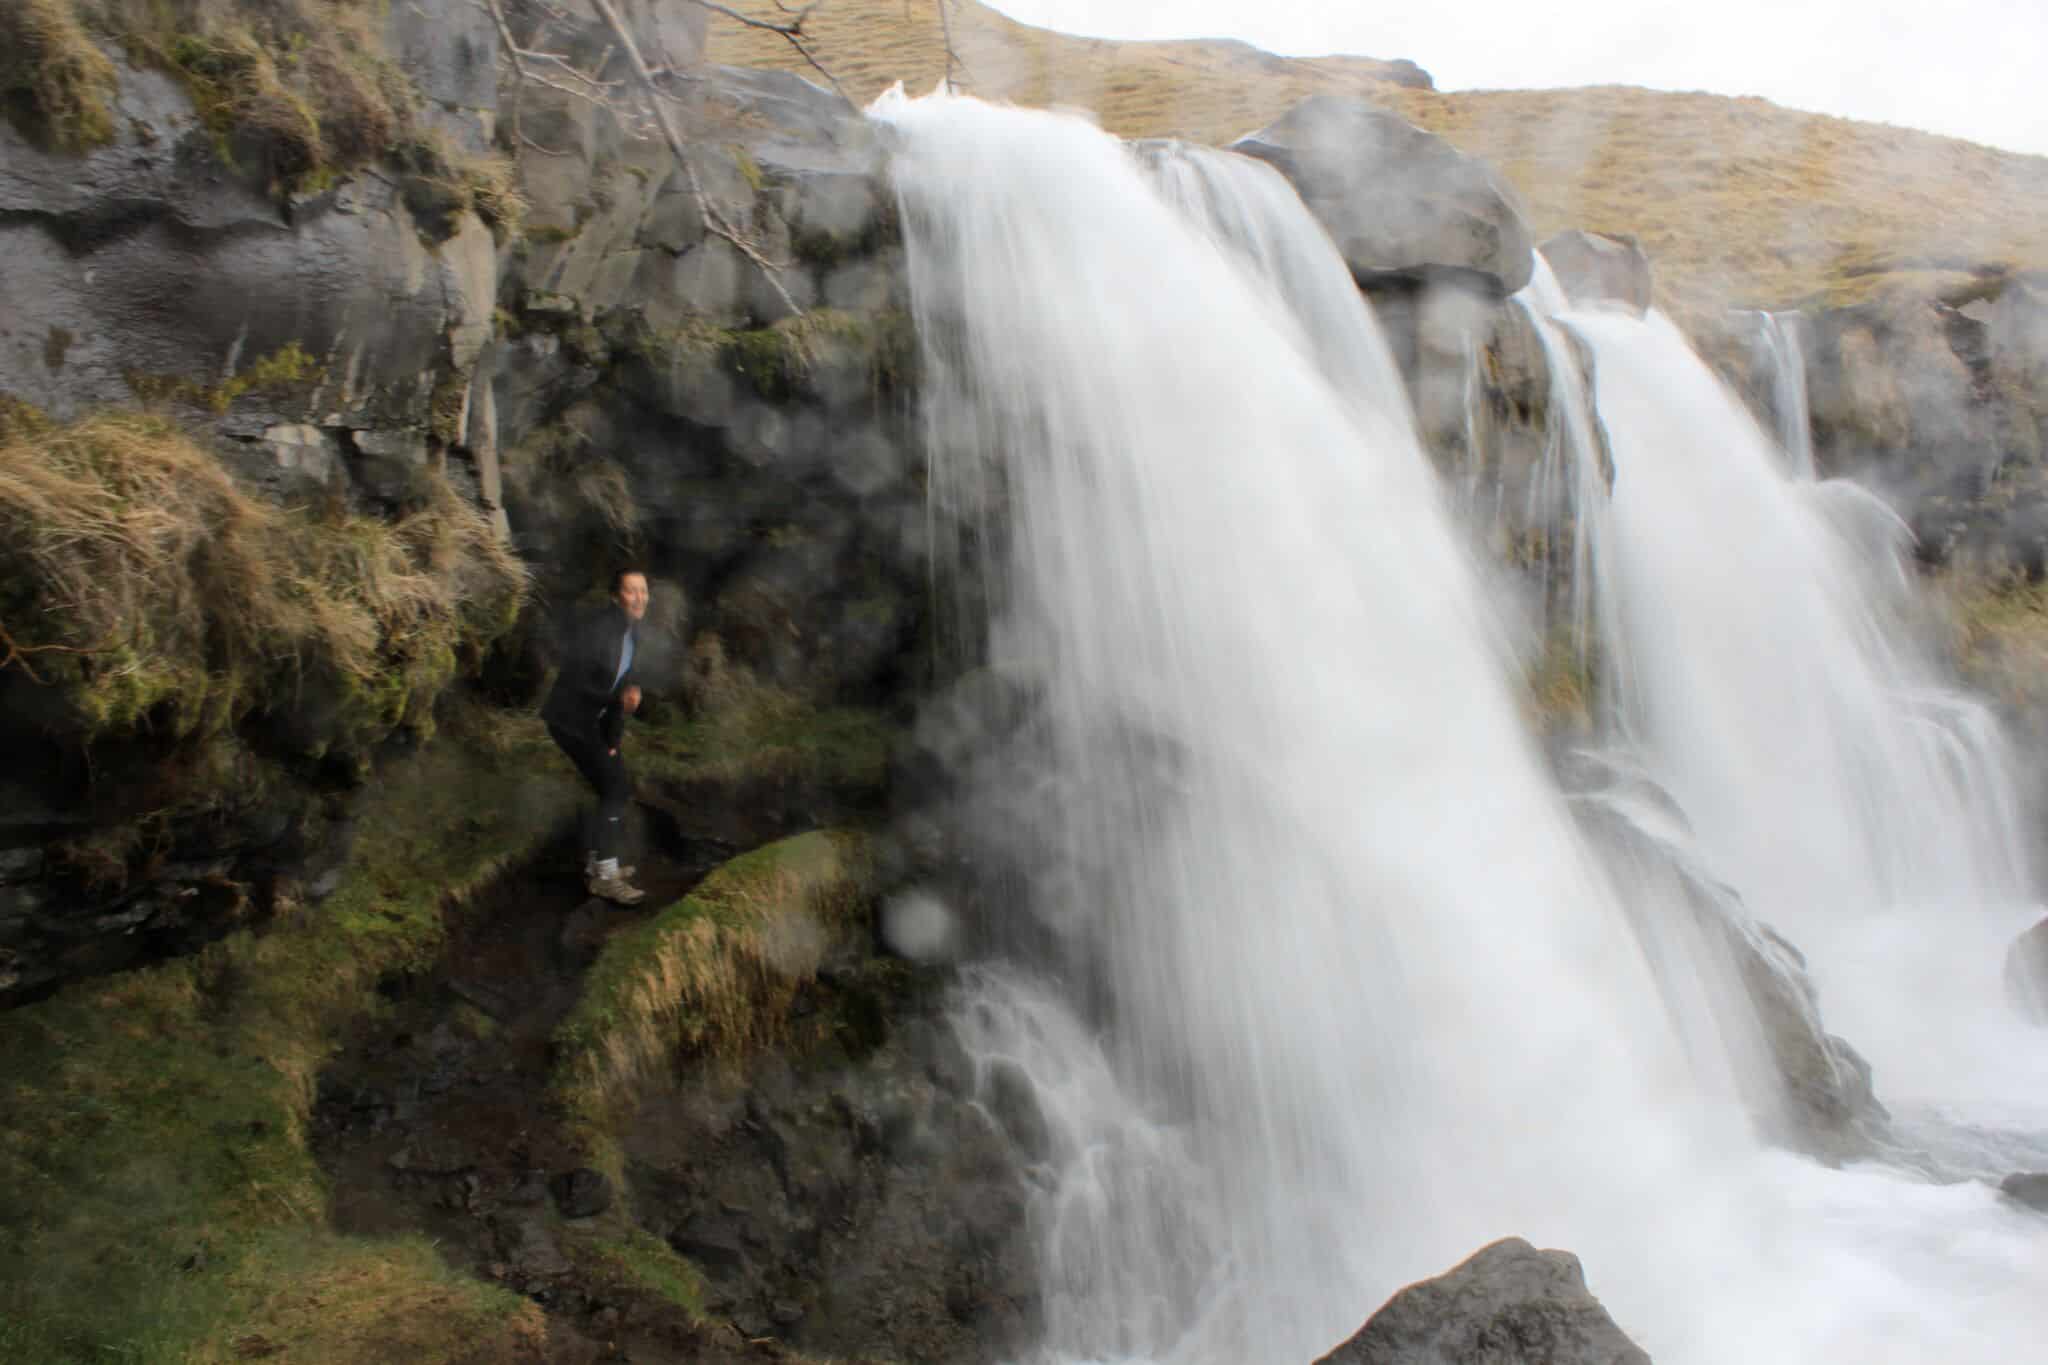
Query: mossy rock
point(157, 1197)
point(56, 86)
point(714, 973)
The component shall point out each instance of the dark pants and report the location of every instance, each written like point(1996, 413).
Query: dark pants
point(606, 774)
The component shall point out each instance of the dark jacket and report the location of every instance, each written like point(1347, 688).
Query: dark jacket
point(584, 700)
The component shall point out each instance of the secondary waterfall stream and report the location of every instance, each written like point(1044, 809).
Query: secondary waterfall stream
point(1759, 633)
point(1369, 1000)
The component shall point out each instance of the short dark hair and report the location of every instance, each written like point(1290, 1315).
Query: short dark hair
point(619, 576)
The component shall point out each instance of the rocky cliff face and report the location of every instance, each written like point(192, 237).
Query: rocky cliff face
point(573, 347)
point(459, 375)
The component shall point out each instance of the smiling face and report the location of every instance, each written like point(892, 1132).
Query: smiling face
point(631, 595)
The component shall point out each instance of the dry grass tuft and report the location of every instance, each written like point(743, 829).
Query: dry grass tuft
point(442, 181)
point(1998, 636)
point(54, 84)
point(297, 91)
point(1737, 200)
point(714, 973)
point(144, 581)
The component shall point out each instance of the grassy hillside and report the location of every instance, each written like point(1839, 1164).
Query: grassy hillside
point(1738, 200)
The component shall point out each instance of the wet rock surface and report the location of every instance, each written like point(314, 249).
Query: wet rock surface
point(2026, 974)
point(849, 1196)
point(2027, 1187)
point(1826, 1104)
point(1936, 401)
point(1510, 1304)
point(1599, 269)
point(851, 1206)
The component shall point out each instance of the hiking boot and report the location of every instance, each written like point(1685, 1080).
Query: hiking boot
point(627, 871)
point(618, 890)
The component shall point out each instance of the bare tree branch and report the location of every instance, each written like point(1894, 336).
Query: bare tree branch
point(952, 56)
point(18, 654)
point(792, 33)
point(713, 220)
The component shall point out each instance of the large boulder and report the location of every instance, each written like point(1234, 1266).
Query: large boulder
point(1597, 269)
point(1398, 200)
point(866, 1201)
point(1510, 1304)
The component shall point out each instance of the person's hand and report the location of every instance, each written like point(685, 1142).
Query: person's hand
point(630, 698)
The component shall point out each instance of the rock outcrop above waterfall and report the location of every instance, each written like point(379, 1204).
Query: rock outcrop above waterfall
point(1510, 1303)
point(1598, 268)
point(1396, 200)
point(1940, 400)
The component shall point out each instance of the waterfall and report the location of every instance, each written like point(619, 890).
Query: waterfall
point(1246, 206)
point(1368, 998)
point(1764, 661)
point(1783, 353)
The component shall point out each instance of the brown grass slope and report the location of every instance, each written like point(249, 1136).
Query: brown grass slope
point(1738, 200)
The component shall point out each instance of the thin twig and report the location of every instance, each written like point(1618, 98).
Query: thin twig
point(18, 654)
point(946, 30)
point(791, 33)
point(712, 219)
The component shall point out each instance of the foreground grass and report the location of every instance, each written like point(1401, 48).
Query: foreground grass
point(157, 1195)
point(1737, 200)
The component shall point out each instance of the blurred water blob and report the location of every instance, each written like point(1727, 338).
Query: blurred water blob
point(917, 925)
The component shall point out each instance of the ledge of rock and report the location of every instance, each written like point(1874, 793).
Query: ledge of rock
point(1597, 268)
point(1508, 1303)
point(1397, 200)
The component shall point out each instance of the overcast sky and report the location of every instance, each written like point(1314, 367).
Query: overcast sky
point(1969, 68)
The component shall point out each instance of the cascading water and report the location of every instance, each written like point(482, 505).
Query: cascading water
point(1783, 353)
point(1766, 668)
point(1372, 1002)
point(1251, 210)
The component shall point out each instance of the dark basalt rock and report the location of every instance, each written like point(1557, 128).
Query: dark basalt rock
point(581, 1193)
point(2026, 1187)
point(850, 1200)
point(1510, 1304)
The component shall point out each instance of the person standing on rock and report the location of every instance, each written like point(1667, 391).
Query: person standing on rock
point(586, 717)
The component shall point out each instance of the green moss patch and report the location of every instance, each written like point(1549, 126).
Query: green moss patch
point(778, 361)
point(294, 91)
point(156, 1192)
point(714, 973)
point(637, 1262)
point(768, 734)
